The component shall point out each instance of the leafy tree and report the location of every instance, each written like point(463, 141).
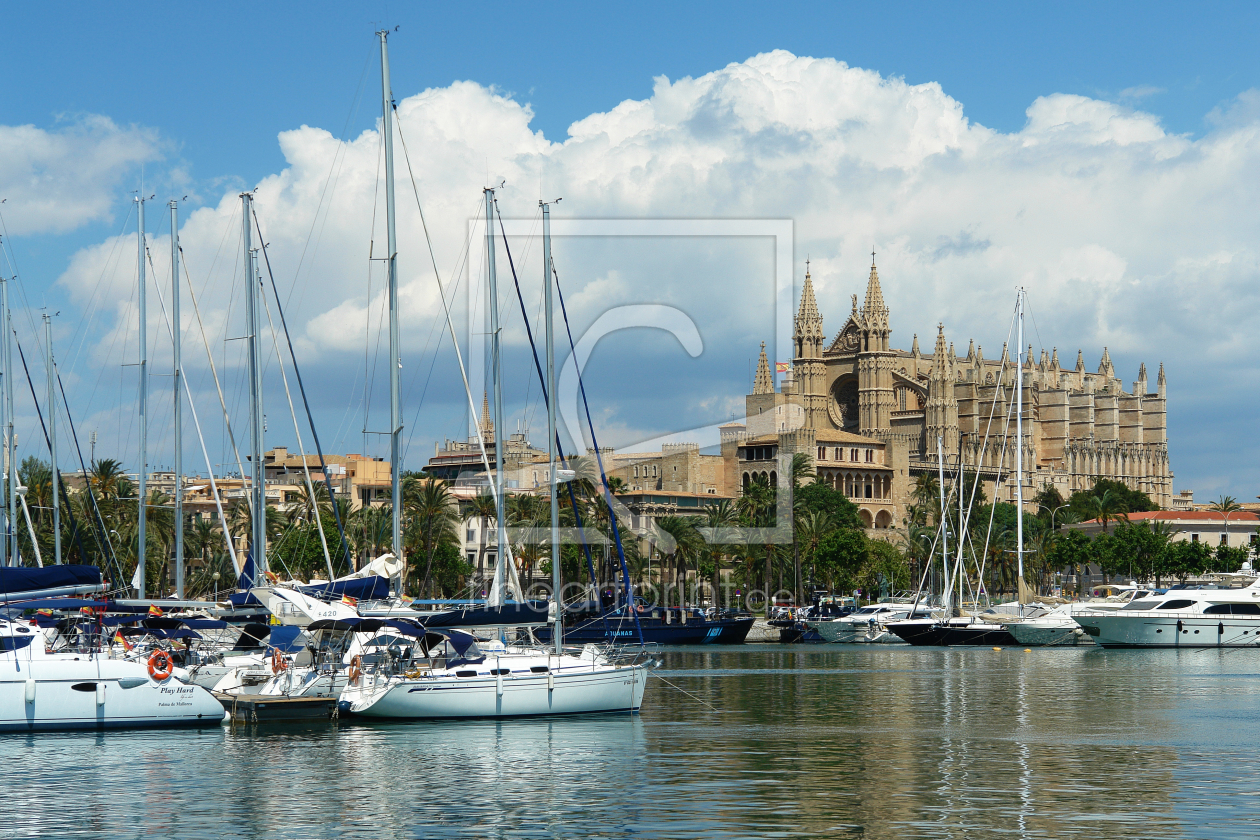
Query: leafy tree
point(886, 565)
point(1182, 559)
point(1230, 558)
point(840, 557)
point(821, 499)
point(1072, 551)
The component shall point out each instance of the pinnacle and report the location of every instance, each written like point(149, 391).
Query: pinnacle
point(808, 307)
point(874, 295)
point(971, 349)
point(1080, 360)
point(763, 383)
point(1142, 371)
point(914, 349)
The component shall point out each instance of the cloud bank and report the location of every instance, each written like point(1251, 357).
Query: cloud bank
point(1124, 234)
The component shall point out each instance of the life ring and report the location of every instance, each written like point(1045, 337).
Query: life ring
point(278, 662)
point(161, 665)
point(356, 668)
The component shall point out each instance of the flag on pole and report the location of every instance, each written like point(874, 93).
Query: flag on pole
point(122, 640)
point(782, 367)
point(348, 601)
point(155, 611)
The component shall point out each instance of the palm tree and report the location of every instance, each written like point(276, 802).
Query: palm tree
point(1226, 505)
point(687, 545)
point(721, 516)
point(433, 514)
point(1106, 508)
point(484, 508)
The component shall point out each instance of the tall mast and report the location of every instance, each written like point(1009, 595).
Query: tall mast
point(948, 579)
point(395, 361)
point(142, 484)
point(7, 556)
point(179, 404)
point(52, 439)
point(551, 431)
point(257, 490)
point(496, 386)
point(1019, 446)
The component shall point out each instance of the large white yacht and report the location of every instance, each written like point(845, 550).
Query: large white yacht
point(43, 690)
point(1195, 618)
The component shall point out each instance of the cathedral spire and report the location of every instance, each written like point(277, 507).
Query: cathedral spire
point(914, 349)
point(1139, 387)
point(1028, 362)
point(763, 384)
point(971, 349)
point(1054, 359)
point(874, 312)
point(1161, 384)
point(487, 424)
point(1080, 362)
point(941, 411)
point(809, 307)
point(939, 363)
point(1105, 367)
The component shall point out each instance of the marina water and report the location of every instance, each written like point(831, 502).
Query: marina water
point(801, 741)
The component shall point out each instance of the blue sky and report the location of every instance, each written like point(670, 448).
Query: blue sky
point(213, 86)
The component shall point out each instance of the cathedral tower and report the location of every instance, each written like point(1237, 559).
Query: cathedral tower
point(875, 365)
point(941, 412)
point(809, 370)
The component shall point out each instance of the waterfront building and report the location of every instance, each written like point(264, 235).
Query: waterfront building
point(856, 391)
point(1210, 527)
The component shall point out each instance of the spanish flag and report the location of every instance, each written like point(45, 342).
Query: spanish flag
point(155, 611)
point(348, 601)
point(43, 612)
point(122, 640)
point(782, 367)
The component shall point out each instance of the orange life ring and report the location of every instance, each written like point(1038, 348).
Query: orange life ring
point(356, 668)
point(161, 665)
point(278, 662)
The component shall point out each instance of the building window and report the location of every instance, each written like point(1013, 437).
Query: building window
point(1194, 538)
point(822, 453)
point(1223, 538)
point(636, 472)
point(870, 456)
point(839, 453)
point(853, 454)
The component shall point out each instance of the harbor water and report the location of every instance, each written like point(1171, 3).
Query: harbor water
point(752, 741)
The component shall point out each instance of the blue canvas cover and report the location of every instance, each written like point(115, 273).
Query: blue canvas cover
point(16, 580)
point(511, 614)
point(374, 588)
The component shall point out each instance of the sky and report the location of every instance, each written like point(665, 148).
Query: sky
point(1102, 155)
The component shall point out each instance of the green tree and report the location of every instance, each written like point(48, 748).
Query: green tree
point(819, 498)
point(1072, 551)
point(840, 558)
point(1181, 559)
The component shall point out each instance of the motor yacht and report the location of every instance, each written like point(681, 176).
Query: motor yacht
point(868, 624)
point(1193, 618)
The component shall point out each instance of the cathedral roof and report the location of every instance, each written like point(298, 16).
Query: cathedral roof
point(808, 307)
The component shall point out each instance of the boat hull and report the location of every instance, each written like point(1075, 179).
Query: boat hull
point(1123, 628)
point(621, 631)
point(595, 691)
point(98, 694)
point(1030, 634)
point(938, 635)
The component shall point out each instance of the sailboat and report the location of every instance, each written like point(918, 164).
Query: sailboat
point(449, 673)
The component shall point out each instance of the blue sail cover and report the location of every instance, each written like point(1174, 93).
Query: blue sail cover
point(248, 572)
point(374, 588)
point(511, 614)
point(16, 580)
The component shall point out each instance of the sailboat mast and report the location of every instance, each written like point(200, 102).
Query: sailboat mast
point(177, 364)
point(257, 490)
point(497, 387)
point(10, 525)
point(395, 362)
point(10, 452)
point(551, 431)
point(142, 483)
point(1019, 444)
point(52, 439)
point(947, 579)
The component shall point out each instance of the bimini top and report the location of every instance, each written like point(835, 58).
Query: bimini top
point(367, 625)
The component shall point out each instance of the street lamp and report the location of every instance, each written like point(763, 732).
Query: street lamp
point(215, 577)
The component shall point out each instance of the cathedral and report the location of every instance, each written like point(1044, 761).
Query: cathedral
point(872, 417)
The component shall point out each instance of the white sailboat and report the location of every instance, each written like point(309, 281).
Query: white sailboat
point(450, 674)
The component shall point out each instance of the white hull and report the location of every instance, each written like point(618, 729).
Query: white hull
point(1125, 628)
point(602, 689)
point(59, 691)
point(1058, 634)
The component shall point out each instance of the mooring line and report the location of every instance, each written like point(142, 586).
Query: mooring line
point(684, 691)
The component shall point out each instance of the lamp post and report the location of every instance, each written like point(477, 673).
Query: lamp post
point(215, 578)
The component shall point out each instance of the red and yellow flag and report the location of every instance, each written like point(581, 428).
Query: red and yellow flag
point(122, 640)
point(348, 601)
point(155, 611)
point(782, 367)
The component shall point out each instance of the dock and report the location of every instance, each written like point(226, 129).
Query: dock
point(265, 708)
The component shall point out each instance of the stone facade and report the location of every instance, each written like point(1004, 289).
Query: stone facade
point(1078, 425)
